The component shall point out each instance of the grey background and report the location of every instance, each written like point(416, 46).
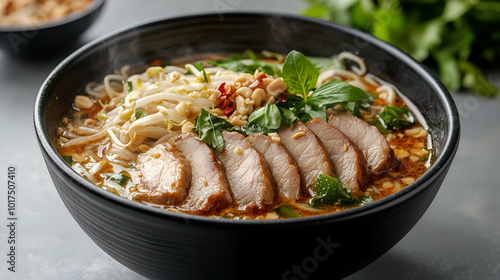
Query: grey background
point(458, 237)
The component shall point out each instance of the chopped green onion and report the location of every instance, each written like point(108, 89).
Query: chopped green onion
point(68, 159)
point(130, 86)
point(286, 211)
point(120, 179)
point(139, 113)
point(206, 78)
point(365, 199)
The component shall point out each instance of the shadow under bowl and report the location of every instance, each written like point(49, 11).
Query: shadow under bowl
point(48, 37)
point(164, 245)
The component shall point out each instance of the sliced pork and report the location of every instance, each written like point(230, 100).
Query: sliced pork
point(209, 188)
point(281, 164)
point(348, 161)
point(164, 175)
point(379, 155)
point(251, 182)
point(307, 151)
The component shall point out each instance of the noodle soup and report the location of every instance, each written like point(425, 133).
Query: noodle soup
point(247, 136)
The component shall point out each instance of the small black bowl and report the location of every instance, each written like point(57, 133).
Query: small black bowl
point(164, 245)
point(48, 37)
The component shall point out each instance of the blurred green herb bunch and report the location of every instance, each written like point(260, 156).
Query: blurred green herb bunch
point(451, 36)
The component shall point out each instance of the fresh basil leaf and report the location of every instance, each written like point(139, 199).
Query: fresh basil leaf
point(288, 117)
point(314, 112)
point(253, 128)
point(299, 74)
point(209, 128)
point(335, 92)
point(268, 116)
point(330, 192)
point(286, 211)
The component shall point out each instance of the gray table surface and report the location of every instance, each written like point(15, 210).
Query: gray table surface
point(457, 238)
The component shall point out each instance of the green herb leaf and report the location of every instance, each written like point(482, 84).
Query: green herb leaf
point(68, 160)
point(365, 199)
point(120, 179)
point(139, 113)
point(205, 77)
point(299, 74)
point(393, 118)
point(330, 191)
point(334, 92)
point(130, 86)
point(238, 63)
point(268, 116)
point(288, 117)
point(286, 211)
point(209, 128)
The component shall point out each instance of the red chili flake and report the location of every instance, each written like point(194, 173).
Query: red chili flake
point(282, 97)
point(222, 88)
point(257, 82)
point(94, 110)
point(228, 111)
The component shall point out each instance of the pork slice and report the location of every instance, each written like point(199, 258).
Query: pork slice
point(307, 151)
point(281, 164)
point(164, 175)
point(249, 178)
point(379, 155)
point(348, 161)
point(209, 188)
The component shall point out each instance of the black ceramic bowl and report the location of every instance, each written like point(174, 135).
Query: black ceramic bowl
point(165, 245)
point(48, 37)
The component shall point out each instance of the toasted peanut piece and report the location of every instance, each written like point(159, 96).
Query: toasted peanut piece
point(213, 95)
point(243, 80)
point(257, 96)
point(238, 120)
point(187, 127)
point(217, 112)
point(276, 87)
point(244, 91)
point(244, 106)
point(83, 102)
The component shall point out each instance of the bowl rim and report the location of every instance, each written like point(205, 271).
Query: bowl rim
point(439, 166)
point(48, 24)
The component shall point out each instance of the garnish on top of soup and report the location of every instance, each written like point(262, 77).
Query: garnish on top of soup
point(247, 136)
